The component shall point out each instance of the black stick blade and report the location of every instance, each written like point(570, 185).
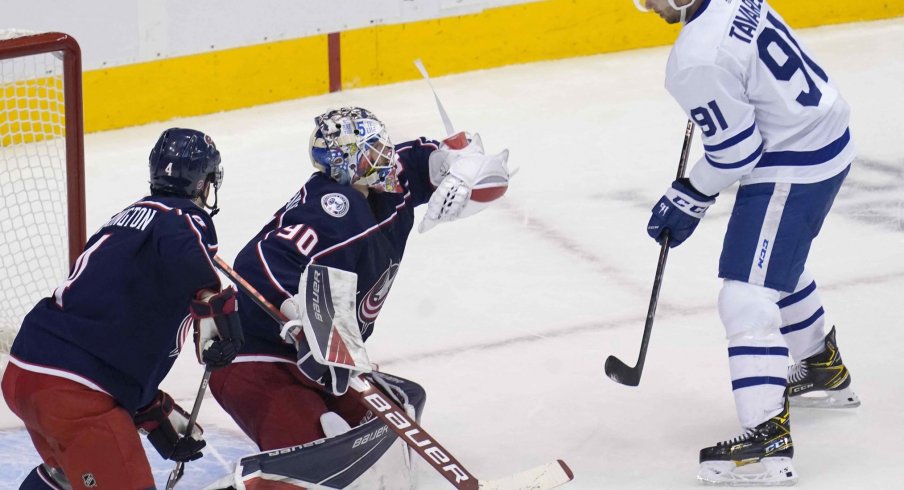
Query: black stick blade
point(621, 372)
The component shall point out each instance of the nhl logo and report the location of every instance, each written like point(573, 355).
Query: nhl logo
point(89, 481)
point(335, 204)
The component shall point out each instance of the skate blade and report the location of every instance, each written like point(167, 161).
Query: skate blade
point(845, 398)
point(768, 472)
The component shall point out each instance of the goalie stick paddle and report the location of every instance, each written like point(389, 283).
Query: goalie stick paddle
point(543, 477)
point(179, 469)
point(615, 367)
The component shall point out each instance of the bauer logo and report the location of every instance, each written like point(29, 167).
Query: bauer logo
point(335, 204)
point(416, 438)
point(373, 436)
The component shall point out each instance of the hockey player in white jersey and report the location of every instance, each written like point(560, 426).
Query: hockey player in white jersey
point(772, 120)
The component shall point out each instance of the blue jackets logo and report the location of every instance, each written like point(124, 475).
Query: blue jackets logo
point(335, 204)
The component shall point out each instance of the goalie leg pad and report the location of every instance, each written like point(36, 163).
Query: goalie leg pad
point(367, 457)
point(44, 478)
point(334, 425)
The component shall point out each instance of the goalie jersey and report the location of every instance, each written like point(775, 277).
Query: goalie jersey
point(119, 321)
point(334, 225)
point(767, 110)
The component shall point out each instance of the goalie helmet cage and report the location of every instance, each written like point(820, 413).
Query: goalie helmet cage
point(42, 198)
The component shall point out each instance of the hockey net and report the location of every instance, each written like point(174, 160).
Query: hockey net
point(42, 206)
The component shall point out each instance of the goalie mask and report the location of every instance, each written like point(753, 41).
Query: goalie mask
point(352, 146)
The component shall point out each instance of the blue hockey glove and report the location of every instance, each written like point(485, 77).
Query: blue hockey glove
point(218, 330)
point(164, 424)
point(678, 212)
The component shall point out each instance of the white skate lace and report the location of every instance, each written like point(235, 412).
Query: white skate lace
point(797, 372)
point(742, 437)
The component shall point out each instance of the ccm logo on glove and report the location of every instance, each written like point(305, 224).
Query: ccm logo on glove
point(678, 212)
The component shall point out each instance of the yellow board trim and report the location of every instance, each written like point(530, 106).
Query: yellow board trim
point(205, 83)
point(546, 30)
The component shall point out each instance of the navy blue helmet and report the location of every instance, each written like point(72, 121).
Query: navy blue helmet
point(183, 163)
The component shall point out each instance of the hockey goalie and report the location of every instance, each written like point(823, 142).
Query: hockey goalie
point(329, 257)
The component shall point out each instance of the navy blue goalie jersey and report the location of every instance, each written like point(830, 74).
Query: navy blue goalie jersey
point(332, 224)
point(119, 321)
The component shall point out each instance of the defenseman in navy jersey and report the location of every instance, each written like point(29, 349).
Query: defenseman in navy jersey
point(772, 120)
point(354, 214)
point(85, 366)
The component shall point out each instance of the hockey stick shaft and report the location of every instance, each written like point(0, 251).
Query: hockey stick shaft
point(439, 105)
point(615, 368)
point(179, 469)
point(454, 140)
point(387, 410)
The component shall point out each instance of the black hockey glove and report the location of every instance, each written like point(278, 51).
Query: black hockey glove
point(164, 424)
point(218, 330)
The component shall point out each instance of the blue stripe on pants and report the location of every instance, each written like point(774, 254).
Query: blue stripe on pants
point(798, 296)
point(757, 351)
point(804, 324)
point(757, 381)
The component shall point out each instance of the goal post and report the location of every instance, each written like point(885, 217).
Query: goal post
point(42, 183)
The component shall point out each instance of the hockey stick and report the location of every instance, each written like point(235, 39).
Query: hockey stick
point(542, 477)
point(179, 469)
point(615, 367)
point(454, 140)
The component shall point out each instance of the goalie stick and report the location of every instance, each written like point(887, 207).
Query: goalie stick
point(615, 367)
point(176, 474)
point(543, 477)
point(454, 140)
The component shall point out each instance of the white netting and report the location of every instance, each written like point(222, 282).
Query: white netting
point(34, 253)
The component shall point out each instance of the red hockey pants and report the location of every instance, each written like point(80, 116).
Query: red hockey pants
point(83, 431)
point(275, 405)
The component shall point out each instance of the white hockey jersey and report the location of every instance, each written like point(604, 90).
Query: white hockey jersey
point(767, 111)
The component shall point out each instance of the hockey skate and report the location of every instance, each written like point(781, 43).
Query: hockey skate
point(822, 380)
point(761, 457)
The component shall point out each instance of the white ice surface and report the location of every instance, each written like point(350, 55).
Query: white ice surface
point(506, 318)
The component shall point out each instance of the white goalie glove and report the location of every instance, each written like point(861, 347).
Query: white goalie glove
point(467, 180)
